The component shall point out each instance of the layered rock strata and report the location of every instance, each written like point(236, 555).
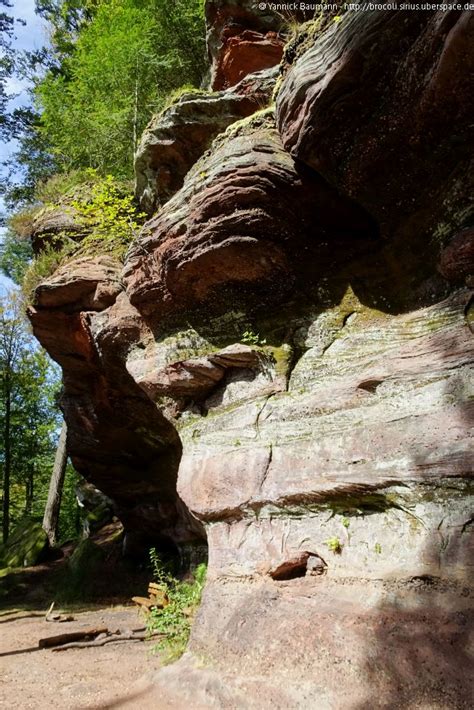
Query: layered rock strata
point(380, 105)
point(247, 220)
point(177, 137)
point(117, 438)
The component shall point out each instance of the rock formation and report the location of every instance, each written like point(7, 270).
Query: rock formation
point(380, 105)
point(285, 366)
point(177, 137)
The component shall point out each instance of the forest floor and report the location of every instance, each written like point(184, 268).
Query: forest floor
point(109, 676)
point(94, 677)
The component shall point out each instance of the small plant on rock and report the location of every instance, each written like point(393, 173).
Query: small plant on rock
point(251, 338)
point(174, 620)
point(334, 545)
point(110, 217)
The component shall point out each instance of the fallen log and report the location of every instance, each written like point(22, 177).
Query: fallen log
point(110, 638)
point(51, 641)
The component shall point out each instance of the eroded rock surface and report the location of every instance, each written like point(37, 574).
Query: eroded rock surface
point(53, 225)
point(242, 37)
point(177, 137)
point(367, 468)
point(117, 438)
point(247, 221)
point(380, 105)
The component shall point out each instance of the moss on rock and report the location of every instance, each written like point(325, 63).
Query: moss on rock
point(25, 546)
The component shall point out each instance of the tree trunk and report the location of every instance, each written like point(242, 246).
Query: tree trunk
point(53, 505)
point(135, 113)
point(7, 462)
point(30, 487)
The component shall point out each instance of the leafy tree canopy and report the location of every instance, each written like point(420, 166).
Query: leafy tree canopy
point(111, 64)
point(29, 416)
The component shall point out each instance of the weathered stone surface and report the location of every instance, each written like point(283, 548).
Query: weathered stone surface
point(246, 53)
point(333, 472)
point(381, 106)
point(117, 439)
point(176, 138)
point(84, 284)
point(457, 260)
point(367, 468)
point(97, 508)
point(247, 221)
point(194, 377)
point(411, 369)
point(53, 223)
point(226, 19)
point(244, 36)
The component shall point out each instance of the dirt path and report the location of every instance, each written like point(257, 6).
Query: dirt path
point(78, 678)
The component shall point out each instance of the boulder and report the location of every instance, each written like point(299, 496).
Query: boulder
point(53, 225)
point(26, 545)
point(97, 508)
point(457, 259)
point(86, 283)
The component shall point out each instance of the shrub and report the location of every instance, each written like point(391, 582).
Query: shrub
point(251, 338)
point(175, 619)
point(102, 207)
point(21, 222)
point(109, 216)
point(53, 190)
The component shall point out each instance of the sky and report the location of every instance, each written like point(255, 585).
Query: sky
point(31, 36)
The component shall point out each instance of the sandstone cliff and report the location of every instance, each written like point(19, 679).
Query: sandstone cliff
point(283, 366)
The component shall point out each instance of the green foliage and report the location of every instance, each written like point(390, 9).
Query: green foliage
point(15, 255)
point(118, 70)
point(174, 620)
point(334, 545)
point(6, 65)
point(25, 545)
point(174, 96)
point(59, 186)
point(251, 338)
point(109, 216)
point(69, 516)
point(28, 415)
point(101, 205)
point(107, 67)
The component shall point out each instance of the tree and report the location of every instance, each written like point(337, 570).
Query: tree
point(109, 65)
point(16, 253)
point(28, 415)
point(56, 485)
point(6, 64)
point(124, 62)
point(12, 342)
